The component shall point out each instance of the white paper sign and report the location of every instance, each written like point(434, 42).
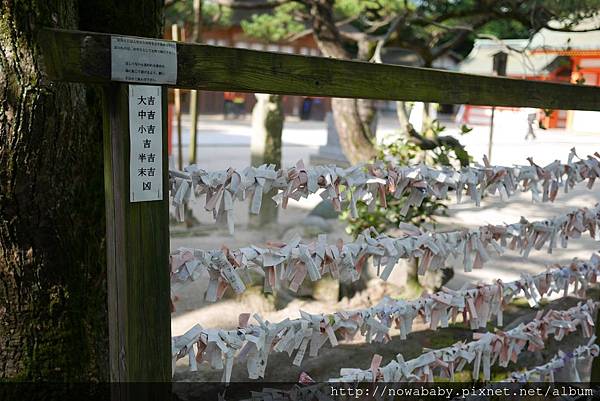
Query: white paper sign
point(143, 60)
point(145, 135)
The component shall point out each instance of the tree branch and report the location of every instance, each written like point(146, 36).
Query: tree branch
point(381, 42)
point(305, 32)
point(217, 17)
point(354, 36)
point(251, 4)
point(374, 26)
point(561, 29)
point(503, 43)
point(440, 141)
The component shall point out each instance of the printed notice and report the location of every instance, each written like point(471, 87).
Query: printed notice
point(145, 135)
point(143, 60)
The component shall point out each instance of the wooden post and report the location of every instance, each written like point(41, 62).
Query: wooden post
point(491, 137)
point(194, 127)
point(595, 373)
point(197, 38)
point(499, 67)
point(177, 93)
point(137, 243)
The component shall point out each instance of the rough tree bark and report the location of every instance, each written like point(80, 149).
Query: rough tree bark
point(52, 258)
point(356, 135)
point(353, 117)
point(265, 148)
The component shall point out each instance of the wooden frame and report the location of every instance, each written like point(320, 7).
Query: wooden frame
point(137, 234)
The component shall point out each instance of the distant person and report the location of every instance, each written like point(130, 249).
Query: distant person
point(306, 108)
point(228, 107)
point(239, 103)
point(531, 119)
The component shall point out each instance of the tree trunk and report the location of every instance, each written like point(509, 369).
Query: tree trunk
point(403, 115)
point(190, 219)
point(427, 106)
point(53, 321)
point(265, 148)
point(353, 118)
point(356, 135)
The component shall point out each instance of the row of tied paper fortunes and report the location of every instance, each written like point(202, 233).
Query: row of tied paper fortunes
point(486, 350)
point(368, 182)
point(476, 305)
point(563, 365)
point(288, 264)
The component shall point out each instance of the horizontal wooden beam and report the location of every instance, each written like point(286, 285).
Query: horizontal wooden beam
point(85, 57)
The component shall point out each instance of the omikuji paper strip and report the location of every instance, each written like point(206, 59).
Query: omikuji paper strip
point(477, 306)
point(371, 181)
point(486, 350)
point(289, 264)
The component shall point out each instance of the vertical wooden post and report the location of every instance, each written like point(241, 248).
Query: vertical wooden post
point(197, 37)
point(491, 136)
point(595, 373)
point(137, 242)
point(177, 94)
point(194, 126)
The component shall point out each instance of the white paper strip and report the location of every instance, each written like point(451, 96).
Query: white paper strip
point(145, 138)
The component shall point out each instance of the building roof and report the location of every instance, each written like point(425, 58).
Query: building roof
point(520, 61)
point(534, 57)
point(550, 40)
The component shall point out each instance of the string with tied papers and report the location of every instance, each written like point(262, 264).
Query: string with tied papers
point(476, 306)
point(289, 264)
point(486, 350)
point(564, 365)
point(371, 181)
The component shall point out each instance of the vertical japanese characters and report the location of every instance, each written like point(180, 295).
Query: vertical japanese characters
point(145, 132)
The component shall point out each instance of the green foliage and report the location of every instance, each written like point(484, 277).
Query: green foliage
point(367, 9)
point(445, 154)
point(568, 12)
point(506, 29)
point(405, 152)
point(434, 24)
point(276, 26)
point(430, 28)
point(182, 12)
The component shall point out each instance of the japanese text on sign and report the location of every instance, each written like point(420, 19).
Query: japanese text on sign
point(145, 134)
point(143, 60)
